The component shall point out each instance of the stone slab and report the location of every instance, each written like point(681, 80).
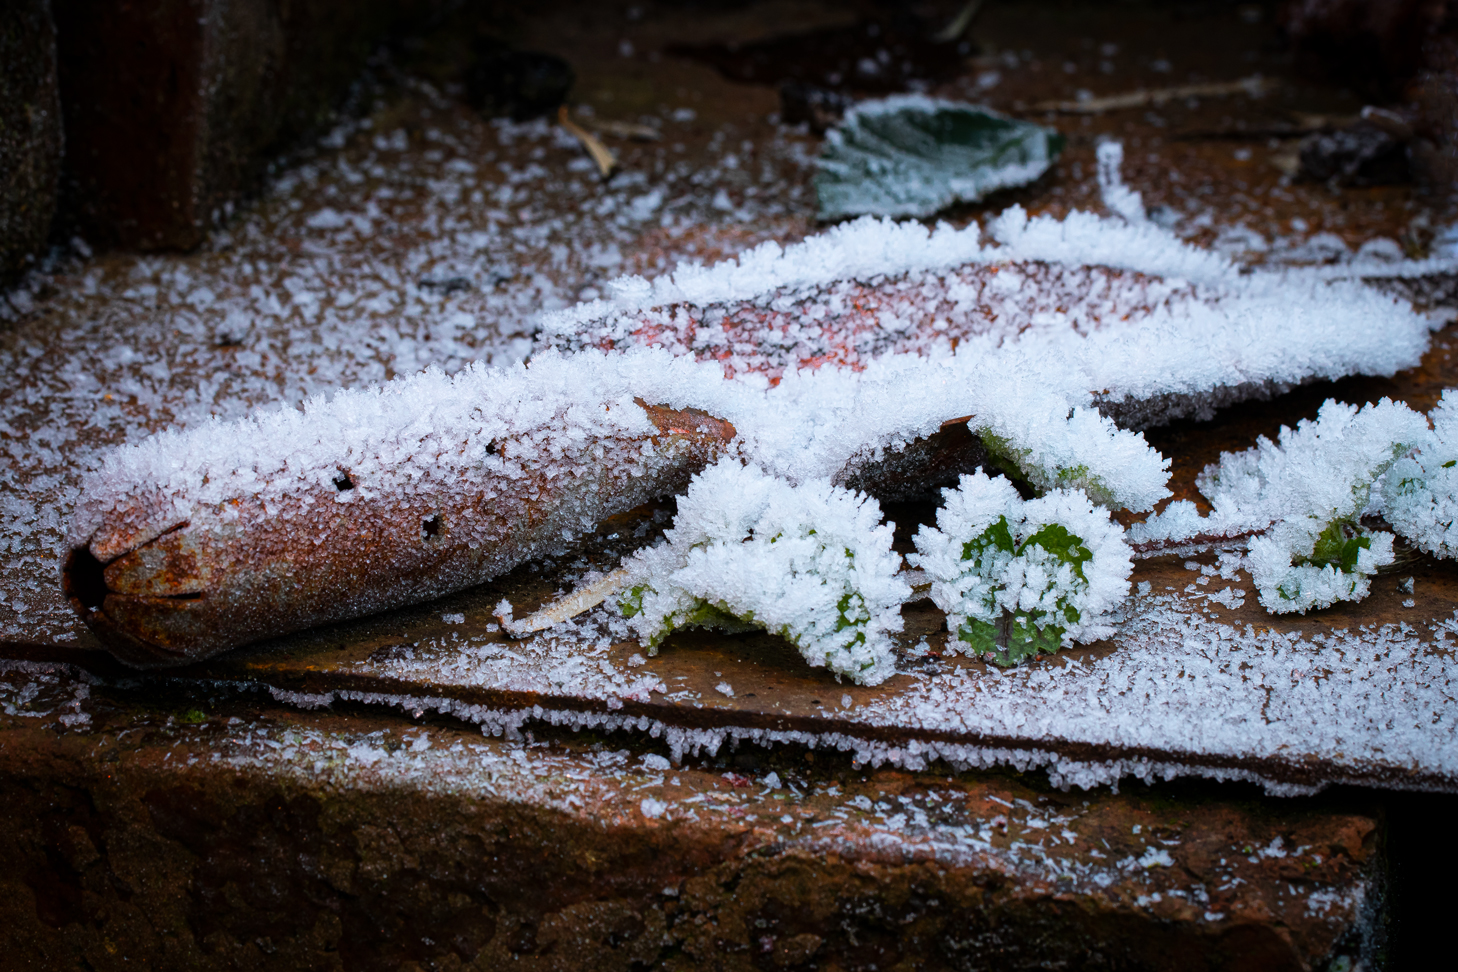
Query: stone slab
point(30, 134)
point(205, 830)
point(175, 108)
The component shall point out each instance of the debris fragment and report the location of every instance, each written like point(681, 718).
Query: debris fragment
point(959, 24)
point(873, 57)
point(819, 108)
point(585, 598)
point(521, 85)
point(622, 129)
point(1369, 152)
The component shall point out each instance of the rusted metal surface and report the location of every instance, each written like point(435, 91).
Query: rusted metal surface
point(162, 594)
point(1244, 185)
point(206, 832)
point(426, 656)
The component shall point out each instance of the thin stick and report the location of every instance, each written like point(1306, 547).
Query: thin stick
point(919, 580)
point(583, 599)
point(960, 23)
point(622, 129)
point(1253, 86)
point(601, 154)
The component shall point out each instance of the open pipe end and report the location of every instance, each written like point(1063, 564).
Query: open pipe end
point(83, 580)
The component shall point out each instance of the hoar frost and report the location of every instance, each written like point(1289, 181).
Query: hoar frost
point(1420, 492)
point(1018, 577)
point(812, 563)
point(1308, 492)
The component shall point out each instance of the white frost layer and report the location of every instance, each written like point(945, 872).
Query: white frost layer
point(1324, 470)
point(1047, 587)
point(820, 420)
point(1287, 585)
point(407, 435)
point(1199, 325)
point(1366, 704)
point(1420, 492)
point(429, 430)
point(812, 563)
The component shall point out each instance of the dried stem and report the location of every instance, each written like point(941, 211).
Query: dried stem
point(601, 154)
point(1254, 86)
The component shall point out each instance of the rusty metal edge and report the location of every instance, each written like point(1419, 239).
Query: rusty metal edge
point(1305, 773)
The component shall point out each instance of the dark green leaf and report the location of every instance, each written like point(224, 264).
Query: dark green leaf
point(912, 156)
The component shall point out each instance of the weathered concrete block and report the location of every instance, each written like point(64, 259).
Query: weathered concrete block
point(237, 834)
point(30, 133)
point(173, 108)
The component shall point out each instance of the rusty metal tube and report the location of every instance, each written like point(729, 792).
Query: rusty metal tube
point(175, 557)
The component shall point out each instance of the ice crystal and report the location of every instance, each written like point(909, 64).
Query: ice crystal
point(812, 563)
point(1310, 489)
point(1016, 578)
point(1420, 492)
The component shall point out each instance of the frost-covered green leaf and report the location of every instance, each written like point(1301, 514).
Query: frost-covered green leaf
point(1310, 489)
point(911, 155)
point(1420, 492)
point(812, 563)
point(1084, 450)
point(1021, 577)
point(1305, 563)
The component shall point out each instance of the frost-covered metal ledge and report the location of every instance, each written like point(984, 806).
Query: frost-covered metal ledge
point(1180, 691)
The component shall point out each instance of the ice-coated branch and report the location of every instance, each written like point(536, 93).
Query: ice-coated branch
point(812, 563)
point(1018, 577)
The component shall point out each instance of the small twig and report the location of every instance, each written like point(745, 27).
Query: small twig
point(1301, 125)
point(583, 599)
point(1253, 86)
point(601, 154)
point(622, 129)
point(960, 23)
point(919, 580)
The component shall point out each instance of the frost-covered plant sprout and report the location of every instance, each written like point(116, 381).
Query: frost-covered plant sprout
point(812, 563)
point(1308, 491)
point(1420, 492)
point(1017, 577)
point(1084, 450)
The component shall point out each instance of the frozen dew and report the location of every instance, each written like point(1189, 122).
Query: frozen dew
point(812, 563)
point(1420, 492)
point(1018, 577)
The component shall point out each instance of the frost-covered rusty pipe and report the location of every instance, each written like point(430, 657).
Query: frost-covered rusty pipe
point(190, 544)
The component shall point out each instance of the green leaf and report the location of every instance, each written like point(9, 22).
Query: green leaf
point(913, 156)
point(1338, 546)
point(998, 535)
point(1023, 634)
point(1067, 547)
point(631, 603)
point(1019, 637)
